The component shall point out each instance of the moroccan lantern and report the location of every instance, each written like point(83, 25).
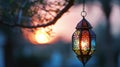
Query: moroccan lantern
point(84, 41)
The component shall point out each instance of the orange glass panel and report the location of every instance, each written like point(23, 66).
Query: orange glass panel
point(85, 42)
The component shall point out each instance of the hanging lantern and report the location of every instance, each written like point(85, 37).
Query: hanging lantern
point(83, 41)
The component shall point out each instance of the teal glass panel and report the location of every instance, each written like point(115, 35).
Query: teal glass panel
point(75, 40)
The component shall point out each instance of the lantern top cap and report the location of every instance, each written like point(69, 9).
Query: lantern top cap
point(83, 24)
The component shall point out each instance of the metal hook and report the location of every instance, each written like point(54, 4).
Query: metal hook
point(83, 13)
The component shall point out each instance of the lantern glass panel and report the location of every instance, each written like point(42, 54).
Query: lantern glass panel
point(75, 41)
point(85, 42)
point(93, 45)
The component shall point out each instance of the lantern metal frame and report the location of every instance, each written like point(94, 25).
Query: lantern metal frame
point(84, 25)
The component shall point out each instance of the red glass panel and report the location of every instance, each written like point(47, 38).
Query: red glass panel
point(85, 42)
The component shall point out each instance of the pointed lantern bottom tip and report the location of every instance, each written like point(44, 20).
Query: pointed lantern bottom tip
point(84, 59)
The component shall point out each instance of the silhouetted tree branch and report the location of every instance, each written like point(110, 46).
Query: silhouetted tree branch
point(64, 10)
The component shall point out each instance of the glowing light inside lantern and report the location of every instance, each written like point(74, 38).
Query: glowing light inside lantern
point(42, 37)
point(85, 40)
point(84, 45)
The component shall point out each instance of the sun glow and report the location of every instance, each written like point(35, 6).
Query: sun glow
point(39, 36)
point(42, 37)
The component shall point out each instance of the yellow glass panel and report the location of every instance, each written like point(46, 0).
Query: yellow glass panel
point(77, 52)
point(76, 40)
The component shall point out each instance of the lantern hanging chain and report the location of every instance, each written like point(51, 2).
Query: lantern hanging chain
point(83, 5)
point(83, 13)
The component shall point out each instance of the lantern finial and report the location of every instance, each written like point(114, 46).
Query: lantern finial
point(83, 24)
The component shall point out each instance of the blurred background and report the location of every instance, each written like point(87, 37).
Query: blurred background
point(104, 16)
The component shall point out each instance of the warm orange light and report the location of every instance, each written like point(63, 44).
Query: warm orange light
point(42, 37)
point(84, 45)
point(39, 36)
